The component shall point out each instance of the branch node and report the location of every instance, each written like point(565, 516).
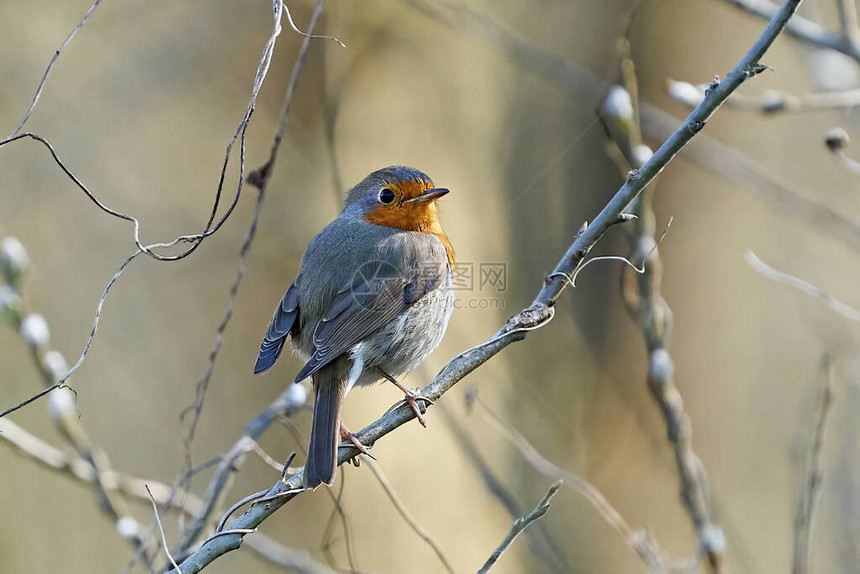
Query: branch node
point(695, 126)
point(713, 85)
point(756, 69)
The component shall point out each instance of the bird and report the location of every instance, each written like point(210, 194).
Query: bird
point(371, 300)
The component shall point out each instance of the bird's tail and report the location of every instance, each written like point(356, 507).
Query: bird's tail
point(329, 383)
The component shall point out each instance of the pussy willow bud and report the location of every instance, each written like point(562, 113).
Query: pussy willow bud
point(836, 139)
point(618, 105)
point(34, 330)
point(61, 404)
point(10, 305)
point(14, 260)
point(56, 364)
point(297, 396)
point(641, 154)
point(686, 93)
point(128, 528)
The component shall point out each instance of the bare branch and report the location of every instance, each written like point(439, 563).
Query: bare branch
point(837, 141)
point(637, 539)
point(196, 239)
point(521, 524)
point(53, 458)
point(298, 561)
point(802, 286)
point(805, 514)
point(717, 158)
point(771, 101)
point(404, 512)
point(800, 27)
point(47, 73)
point(161, 529)
point(848, 22)
point(540, 543)
point(651, 311)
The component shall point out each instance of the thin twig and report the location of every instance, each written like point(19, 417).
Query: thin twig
point(521, 524)
point(709, 153)
point(166, 496)
point(650, 310)
point(802, 286)
point(770, 102)
point(50, 66)
point(298, 561)
point(805, 514)
point(195, 239)
point(540, 543)
point(61, 382)
point(61, 406)
point(79, 468)
point(837, 141)
point(541, 311)
point(800, 27)
point(338, 512)
point(404, 512)
point(259, 178)
point(161, 529)
point(848, 21)
point(637, 539)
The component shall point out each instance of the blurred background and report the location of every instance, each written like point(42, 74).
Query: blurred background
point(141, 106)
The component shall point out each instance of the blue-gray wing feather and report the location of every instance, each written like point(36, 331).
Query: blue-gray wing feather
point(283, 323)
point(365, 307)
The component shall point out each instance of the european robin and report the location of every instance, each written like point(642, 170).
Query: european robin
point(371, 301)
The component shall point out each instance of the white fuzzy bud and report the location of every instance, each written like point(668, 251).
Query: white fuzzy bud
point(128, 528)
point(660, 367)
point(641, 154)
point(686, 93)
point(14, 260)
point(836, 139)
point(10, 304)
point(772, 101)
point(618, 104)
point(56, 364)
point(34, 330)
point(713, 539)
point(61, 403)
point(832, 71)
point(297, 395)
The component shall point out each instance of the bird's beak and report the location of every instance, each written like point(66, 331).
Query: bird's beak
point(431, 194)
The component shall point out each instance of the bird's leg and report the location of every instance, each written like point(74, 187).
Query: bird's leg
point(411, 398)
point(347, 436)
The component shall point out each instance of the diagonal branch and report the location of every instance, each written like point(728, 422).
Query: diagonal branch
point(536, 315)
point(805, 513)
point(521, 524)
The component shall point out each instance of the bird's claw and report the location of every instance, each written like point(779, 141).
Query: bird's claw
point(347, 436)
point(412, 399)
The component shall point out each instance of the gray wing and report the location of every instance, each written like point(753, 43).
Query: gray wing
point(368, 304)
point(283, 322)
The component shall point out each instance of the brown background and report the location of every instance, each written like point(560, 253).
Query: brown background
point(141, 107)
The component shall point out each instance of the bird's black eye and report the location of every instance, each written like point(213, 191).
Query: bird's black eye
point(386, 196)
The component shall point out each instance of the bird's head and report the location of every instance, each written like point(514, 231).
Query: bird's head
point(399, 197)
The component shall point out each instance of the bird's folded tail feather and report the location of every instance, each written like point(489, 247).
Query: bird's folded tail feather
point(330, 383)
